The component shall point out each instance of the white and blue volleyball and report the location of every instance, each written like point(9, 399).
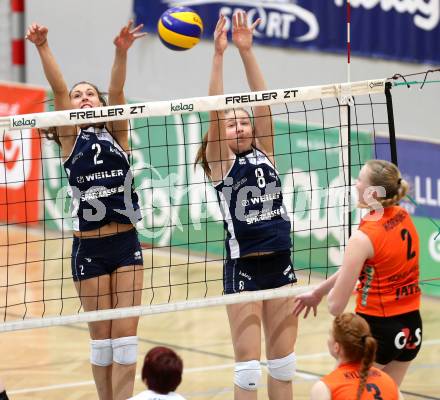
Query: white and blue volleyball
point(180, 28)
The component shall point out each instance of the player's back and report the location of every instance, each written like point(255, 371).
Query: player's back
point(389, 280)
point(343, 384)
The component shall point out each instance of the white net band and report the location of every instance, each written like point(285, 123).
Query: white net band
point(200, 104)
point(137, 311)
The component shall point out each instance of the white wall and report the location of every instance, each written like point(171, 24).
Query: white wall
point(5, 41)
point(81, 34)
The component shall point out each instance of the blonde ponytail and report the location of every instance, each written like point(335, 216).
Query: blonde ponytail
point(387, 175)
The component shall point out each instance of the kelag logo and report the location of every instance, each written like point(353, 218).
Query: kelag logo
point(23, 123)
point(181, 107)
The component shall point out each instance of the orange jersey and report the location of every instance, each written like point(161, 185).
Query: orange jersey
point(389, 282)
point(343, 384)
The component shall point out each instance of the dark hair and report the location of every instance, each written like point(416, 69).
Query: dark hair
point(52, 132)
point(353, 334)
point(162, 370)
point(201, 152)
point(386, 174)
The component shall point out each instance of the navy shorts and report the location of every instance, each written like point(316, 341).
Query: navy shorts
point(398, 337)
point(102, 256)
point(258, 272)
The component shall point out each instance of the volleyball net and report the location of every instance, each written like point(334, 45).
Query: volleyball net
point(323, 135)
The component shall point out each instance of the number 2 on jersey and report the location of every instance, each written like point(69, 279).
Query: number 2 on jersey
point(97, 147)
point(406, 235)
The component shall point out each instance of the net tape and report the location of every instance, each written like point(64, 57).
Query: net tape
point(199, 104)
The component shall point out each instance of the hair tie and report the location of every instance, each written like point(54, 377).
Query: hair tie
point(364, 338)
point(399, 181)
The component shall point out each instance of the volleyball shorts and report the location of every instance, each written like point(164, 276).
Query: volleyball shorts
point(94, 257)
point(258, 272)
point(398, 337)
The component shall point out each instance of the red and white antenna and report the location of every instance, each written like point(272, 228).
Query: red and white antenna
point(17, 40)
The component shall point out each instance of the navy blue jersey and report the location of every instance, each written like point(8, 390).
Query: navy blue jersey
point(251, 201)
point(101, 182)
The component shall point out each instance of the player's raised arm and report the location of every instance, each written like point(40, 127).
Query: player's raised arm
point(242, 36)
point(217, 149)
point(37, 34)
point(123, 41)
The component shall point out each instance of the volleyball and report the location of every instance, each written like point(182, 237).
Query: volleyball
point(180, 28)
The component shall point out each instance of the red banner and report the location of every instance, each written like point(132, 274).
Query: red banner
point(20, 157)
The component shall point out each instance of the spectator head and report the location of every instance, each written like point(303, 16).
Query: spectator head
point(162, 370)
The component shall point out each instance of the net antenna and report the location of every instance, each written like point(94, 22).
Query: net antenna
point(347, 101)
point(312, 124)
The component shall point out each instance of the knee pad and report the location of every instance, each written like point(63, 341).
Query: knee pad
point(247, 374)
point(282, 369)
point(125, 350)
point(101, 352)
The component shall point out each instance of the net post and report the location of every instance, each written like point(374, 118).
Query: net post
point(349, 168)
point(346, 99)
point(392, 129)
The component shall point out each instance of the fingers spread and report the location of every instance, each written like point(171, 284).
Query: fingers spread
point(256, 23)
point(137, 28)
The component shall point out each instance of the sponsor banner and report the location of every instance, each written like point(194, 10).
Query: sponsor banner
point(385, 28)
point(196, 104)
point(429, 255)
point(416, 161)
point(20, 157)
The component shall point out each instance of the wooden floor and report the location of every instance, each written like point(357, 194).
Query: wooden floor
point(52, 363)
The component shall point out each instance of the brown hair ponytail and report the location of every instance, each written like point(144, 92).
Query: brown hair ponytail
point(366, 362)
point(353, 334)
point(201, 156)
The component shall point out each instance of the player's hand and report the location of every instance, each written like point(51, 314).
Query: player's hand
point(306, 301)
point(220, 35)
point(242, 33)
point(37, 34)
point(128, 35)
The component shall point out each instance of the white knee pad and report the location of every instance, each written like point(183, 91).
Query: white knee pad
point(125, 350)
point(282, 369)
point(247, 374)
point(101, 352)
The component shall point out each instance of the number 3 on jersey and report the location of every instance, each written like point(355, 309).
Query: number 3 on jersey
point(371, 387)
point(261, 182)
point(97, 148)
